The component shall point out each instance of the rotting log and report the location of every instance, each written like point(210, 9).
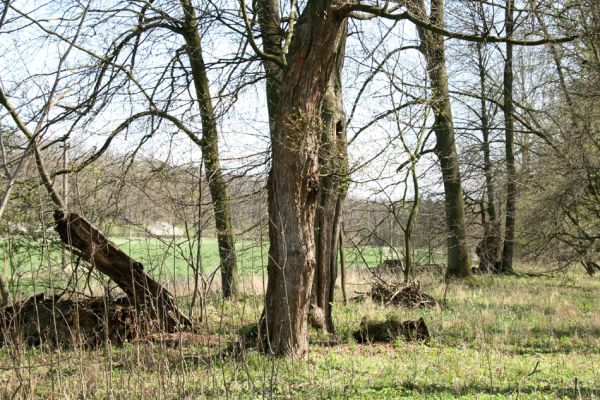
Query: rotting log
point(89, 323)
point(390, 329)
point(148, 296)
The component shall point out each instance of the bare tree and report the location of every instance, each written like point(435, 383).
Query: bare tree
point(210, 152)
point(332, 152)
point(489, 247)
point(82, 237)
point(511, 171)
point(294, 179)
point(432, 47)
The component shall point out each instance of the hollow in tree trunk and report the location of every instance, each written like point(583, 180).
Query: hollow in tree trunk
point(294, 178)
point(333, 162)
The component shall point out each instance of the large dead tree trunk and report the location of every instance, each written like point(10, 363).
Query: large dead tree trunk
point(333, 161)
point(145, 293)
point(432, 47)
point(294, 179)
point(210, 153)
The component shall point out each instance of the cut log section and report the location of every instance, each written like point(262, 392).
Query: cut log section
point(147, 296)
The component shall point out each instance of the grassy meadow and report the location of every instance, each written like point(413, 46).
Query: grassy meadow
point(32, 266)
point(521, 337)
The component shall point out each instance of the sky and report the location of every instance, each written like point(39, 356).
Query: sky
point(31, 56)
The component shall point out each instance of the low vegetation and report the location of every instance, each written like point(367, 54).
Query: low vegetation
point(503, 336)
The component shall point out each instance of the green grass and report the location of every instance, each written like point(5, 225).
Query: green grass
point(35, 264)
point(486, 344)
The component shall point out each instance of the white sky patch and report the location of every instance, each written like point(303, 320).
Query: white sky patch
point(30, 57)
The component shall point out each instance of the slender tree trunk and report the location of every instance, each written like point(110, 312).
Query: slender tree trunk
point(65, 193)
point(270, 27)
point(432, 47)
point(342, 265)
point(511, 172)
point(199, 268)
point(333, 161)
point(3, 293)
point(489, 247)
point(410, 223)
point(210, 153)
point(558, 64)
point(294, 179)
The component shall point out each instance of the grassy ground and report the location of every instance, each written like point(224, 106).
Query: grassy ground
point(34, 265)
point(515, 337)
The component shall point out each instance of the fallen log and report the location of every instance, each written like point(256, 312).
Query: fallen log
point(391, 328)
point(145, 294)
point(88, 323)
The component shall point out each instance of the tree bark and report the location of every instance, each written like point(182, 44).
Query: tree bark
point(145, 293)
point(294, 178)
point(342, 265)
point(333, 164)
point(511, 172)
point(489, 248)
point(210, 153)
point(4, 296)
point(410, 223)
point(332, 156)
point(432, 47)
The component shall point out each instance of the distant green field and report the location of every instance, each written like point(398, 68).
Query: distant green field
point(29, 262)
